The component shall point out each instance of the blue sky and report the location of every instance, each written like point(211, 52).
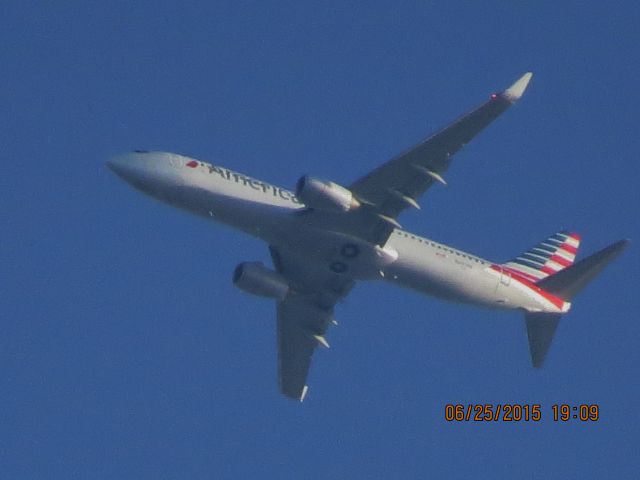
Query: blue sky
point(127, 353)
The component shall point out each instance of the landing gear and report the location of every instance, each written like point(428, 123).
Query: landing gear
point(348, 251)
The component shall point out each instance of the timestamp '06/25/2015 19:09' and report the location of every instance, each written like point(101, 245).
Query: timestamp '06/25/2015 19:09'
point(519, 412)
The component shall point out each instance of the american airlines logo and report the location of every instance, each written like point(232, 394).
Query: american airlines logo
point(246, 181)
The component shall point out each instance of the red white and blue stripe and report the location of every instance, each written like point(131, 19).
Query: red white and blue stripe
point(546, 258)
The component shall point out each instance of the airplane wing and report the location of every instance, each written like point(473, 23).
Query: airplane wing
point(307, 311)
point(397, 184)
point(303, 317)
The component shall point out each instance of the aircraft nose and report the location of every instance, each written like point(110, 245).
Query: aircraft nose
point(128, 167)
point(116, 164)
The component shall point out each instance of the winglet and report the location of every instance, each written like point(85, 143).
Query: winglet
point(515, 91)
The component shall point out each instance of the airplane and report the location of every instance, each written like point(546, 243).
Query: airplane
point(325, 237)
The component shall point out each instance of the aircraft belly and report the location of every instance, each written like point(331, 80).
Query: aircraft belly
point(251, 212)
point(336, 251)
point(466, 287)
point(442, 275)
point(268, 222)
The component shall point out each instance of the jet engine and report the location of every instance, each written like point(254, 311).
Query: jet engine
point(323, 195)
point(255, 278)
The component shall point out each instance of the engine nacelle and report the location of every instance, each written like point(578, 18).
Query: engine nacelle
point(255, 278)
point(323, 195)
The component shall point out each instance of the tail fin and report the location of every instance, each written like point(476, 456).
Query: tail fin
point(568, 282)
point(546, 258)
point(564, 284)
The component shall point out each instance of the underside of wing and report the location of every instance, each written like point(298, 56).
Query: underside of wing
point(301, 328)
point(303, 317)
point(397, 184)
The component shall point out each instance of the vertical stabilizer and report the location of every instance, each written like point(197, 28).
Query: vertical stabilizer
point(547, 258)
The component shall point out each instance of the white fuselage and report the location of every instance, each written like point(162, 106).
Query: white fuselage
point(276, 216)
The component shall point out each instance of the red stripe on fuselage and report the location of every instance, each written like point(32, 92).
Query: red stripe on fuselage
point(518, 277)
point(523, 274)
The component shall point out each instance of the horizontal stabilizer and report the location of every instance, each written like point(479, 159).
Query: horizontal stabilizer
point(568, 282)
point(540, 330)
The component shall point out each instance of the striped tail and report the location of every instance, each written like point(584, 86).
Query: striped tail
point(546, 258)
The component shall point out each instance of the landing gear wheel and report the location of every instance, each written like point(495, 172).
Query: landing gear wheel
point(350, 250)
